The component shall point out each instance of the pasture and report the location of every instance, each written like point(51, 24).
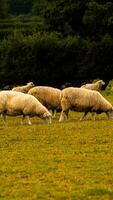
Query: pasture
point(60, 161)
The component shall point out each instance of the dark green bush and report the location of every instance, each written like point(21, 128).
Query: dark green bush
point(50, 59)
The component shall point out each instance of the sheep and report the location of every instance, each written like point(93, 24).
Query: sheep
point(14, 103)
point(94, 86)
point(24, 88)
point(48, 96)
point(83, 100)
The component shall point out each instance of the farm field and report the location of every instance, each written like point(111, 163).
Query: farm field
point(60, 161)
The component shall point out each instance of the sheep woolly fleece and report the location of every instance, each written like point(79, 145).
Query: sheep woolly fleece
point(48, 96)
point(15, 103)
point(84, 100)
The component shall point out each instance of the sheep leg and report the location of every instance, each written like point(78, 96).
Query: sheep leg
point(65, 104)
point(23, 117)
point(63, 115)
point(3, 118)
point(84, 116)
point(67, 112)
point(94, 116)
point(29, 121)
point(53, 113)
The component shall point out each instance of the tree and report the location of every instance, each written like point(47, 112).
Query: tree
point(18, 7)
point(65, 16)
point(38, 7)
point(4, 8)
point(97, 19)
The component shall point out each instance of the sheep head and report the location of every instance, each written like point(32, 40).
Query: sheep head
point(110, 114)
point(47, 116)
point(31, 84)
point(101, 82)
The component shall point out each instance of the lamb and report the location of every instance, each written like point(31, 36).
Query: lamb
point(14, 103)
point(84, 100)
point(48, 96)
point(94, 86)
point(24, 88)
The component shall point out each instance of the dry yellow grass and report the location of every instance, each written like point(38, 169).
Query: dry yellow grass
point(60, 161)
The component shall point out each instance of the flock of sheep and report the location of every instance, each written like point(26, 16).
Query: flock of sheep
point(31, 100)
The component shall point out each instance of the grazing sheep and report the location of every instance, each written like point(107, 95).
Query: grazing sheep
point(15, 103)
point(24, 88)
point(94, 86)
point(48, 96)
point(84, 100)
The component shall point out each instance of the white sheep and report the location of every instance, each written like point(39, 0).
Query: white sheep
point(48, 96)
point(15, 103)
point(24, 88)
point(84, 100)
point(94, 86)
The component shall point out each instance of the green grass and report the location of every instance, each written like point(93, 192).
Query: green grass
point(60, 161)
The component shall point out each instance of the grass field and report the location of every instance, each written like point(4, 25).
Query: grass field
point(61, 161)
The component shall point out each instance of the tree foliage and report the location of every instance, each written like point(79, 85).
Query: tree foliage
point(4, 8)
point(56, 42)
point(20, 6)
